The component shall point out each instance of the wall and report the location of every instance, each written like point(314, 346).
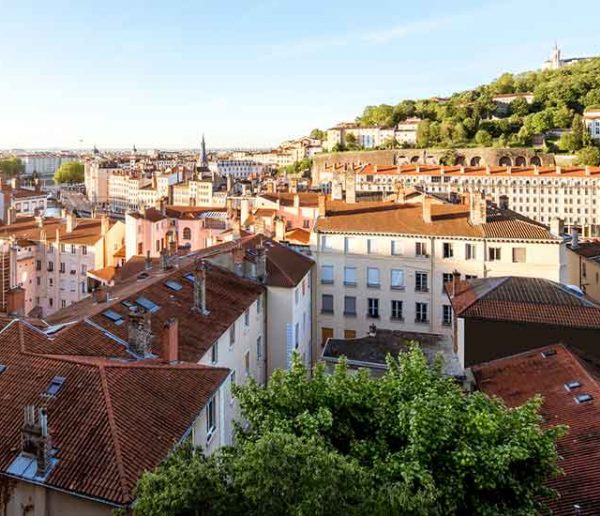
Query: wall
point(584, 273)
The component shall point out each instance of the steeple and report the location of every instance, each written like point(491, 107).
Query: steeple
point(203, 161)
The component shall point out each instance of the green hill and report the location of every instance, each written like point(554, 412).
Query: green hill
point(473, 118)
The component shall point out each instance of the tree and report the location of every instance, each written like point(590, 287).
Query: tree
point(423, 139)
point(483, 138)
point(588, 156)
point(410, 442)
point(11, 167)
point(317, 134)
point(519, 107)
point(70, 172)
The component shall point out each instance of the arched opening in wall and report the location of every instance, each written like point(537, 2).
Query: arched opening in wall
point(536, 161)
point(475, 161)
point(187, 234)
point(505, 161)
point(460, 160)
point(520, 161)
point(414, 159)
point(401, 160)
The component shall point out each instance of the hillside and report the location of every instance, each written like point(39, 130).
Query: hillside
point(473, 118)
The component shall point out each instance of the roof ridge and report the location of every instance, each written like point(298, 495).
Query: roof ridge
point(487, 292)
point(113, 431)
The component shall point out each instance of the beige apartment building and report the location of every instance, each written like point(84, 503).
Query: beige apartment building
point(540, 193)
point(386, 263)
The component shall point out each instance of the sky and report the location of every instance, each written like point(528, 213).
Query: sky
point(247, 73)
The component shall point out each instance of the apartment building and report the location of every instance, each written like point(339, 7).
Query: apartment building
point(540, 193)
point(386, 263)
point(53, 256)
point(239, 169)
point(198, 192)
point(124, 190)
point(370, 137)
point(44, 164)
point(591, 119)
point(583, 261)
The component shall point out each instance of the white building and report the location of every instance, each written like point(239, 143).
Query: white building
point(239, 169)
point(386, 263)
point(591, 119)
point(371, 137)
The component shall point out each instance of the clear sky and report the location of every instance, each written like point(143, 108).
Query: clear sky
point(158, 73)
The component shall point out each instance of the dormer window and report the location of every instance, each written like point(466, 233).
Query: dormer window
point(55, 386)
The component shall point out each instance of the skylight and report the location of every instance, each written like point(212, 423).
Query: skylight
point(189, 276)
point(55, 385)
point(128, 304)
point(548, 353)
point(144, 302)
point(583, 398)
point(572, 385)
point(2, 368)
point(173, 285)
point(114, 317)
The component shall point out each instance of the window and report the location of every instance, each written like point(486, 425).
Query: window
point(327, 274)
point(469, 251)
point(214, 353)
point(470, 276)
point(145, 303)
point(421, 312)
point(55, 386)
point(73, 249)
point(50, 302)
point(421, 249)
point(519, 254)
point(447, 277)
point(38, 281)
point(247, 363)
point(259, 305)
point(247, 317)
point(446, 315)
point(350, 276)
point(397, 247)
point(211, 418)
point(349, 305)
point(38, 265)
point(372, 247)
point(373, 279)
point(326, 243)
point(62, 248)
point(373, 307)
point(326, 333)
point(84, 270)
point(62, 267)
point(259, 347)
point(232, 335)
point(63, 303)
point(421, 282)
point(187, 234)
point(297, 336)
point(447, 250)
point(494, 254)
point(349, 334)
point(396, 310)
point(50, 266)
point(306, 224)
point(350, 245)
point(173, 285)
point(84, 249)
point(327, 304)
point(397, 279)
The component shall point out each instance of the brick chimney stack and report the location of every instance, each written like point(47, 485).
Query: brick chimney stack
point(139, 330)
point(322, 205)
point(170, 341)
point(238, 260)
point(148, 263)
point(427, 202)
point(261, 263)
point(279, 229)
point(35, 440)
point(351, 187)
point(71, 222)
point(477, 209)
point(200, 288)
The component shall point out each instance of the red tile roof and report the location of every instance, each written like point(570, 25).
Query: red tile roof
point(110, 421)
point(518, 378)
point(307, 199)
point(526, 300)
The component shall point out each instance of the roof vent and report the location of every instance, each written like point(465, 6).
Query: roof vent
point(572, 385)
point(549, 353)
point(583, 398)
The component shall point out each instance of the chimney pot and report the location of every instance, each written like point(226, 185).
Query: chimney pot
point(200, 304)
point(170, 341)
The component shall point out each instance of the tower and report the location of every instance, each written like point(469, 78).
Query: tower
point(555, 57)
point(202, 164)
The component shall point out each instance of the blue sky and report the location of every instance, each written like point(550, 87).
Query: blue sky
point(253, 73)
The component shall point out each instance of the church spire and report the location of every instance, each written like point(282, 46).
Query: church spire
point(203, 155)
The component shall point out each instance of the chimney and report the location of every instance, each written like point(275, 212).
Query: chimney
point(427, 201)
point(71, 222)
point(400, 193)
point(279, 229)
point(104, 224)
point(39, 221)
point(244, 210)
point(35, 440)
point(351, 187)
point(296, 201)
point(261, 263)
point(15, 301)
point(148, 264)
point(237, 229)
point(164, 260)
point(139, 330)
point(372, 331)
point(574, 238)
point(14, 183)
point(336, 191)
point(100, 294)
point(322, 205)
point(11, 215)
point(477, 209)
point(503, 204)
point(170, 341)
point(557, 227)
point(238, 260)
point(293, 186)
point(229, 183)
point(200, 288)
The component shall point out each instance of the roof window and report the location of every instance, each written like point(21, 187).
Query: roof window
point(2, 368)
point(549, 353)
point(173, 285)
point(144, 302)
point(128, 304)
point(113, 316)
point(583, 398)
point(189, 276)
point(572, 385)
point(55, 386)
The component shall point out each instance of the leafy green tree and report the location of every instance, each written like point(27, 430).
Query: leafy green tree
point(588, 156)
point(519, 107)
point(351, 141)
point(423, 130)
point(70, 172)
point(317, 134)
point(411, 442)
point(562, 117)
point(483, 138)
point(504, 84)
point(11, 167)
point(382, 116)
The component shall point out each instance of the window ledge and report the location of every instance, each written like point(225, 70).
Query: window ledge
point(349, 314)
point(397, 319)
point(372, 316)
point(446, 323)
point(350, 284)
point(398, 287)
point(330, 312)
point(425, 290)
point(326, 282)
point(419, 321)
point(373, 285)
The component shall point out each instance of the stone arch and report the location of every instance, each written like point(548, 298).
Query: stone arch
point(460, 160)
point(414, 159)
point(536, 161)
point(505, 161)
point(520, 161)
point(475, 161)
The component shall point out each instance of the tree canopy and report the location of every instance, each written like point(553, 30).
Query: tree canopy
point(411, 442)
point(70, 172)
point(11, 167)
point(558, 95)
